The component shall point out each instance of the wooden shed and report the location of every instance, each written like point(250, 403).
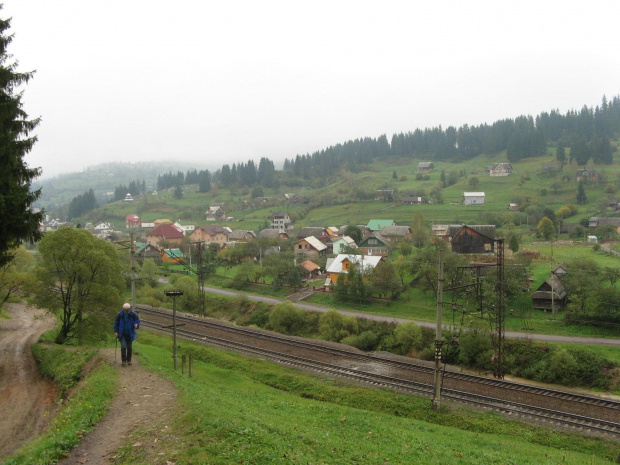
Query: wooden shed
point(480, 239)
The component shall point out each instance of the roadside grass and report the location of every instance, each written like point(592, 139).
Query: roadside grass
point(80, 412)
point(243, 410)
point(62, 365)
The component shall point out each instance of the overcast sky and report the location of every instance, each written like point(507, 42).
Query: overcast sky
point(218, 82)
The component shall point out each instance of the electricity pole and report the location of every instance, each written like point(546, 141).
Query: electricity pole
point(438, 341)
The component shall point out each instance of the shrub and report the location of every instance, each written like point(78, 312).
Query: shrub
point(407, 336)
point(367, 341)
point(287, 319)
point(333, 326)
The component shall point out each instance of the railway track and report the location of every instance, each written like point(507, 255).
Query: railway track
point(545, 405)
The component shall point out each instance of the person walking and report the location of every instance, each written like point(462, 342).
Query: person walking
point(125, 325)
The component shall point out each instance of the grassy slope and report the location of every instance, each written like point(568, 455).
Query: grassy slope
point(238, 410)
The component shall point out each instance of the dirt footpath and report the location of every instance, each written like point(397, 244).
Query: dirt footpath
point(25, 396)
point(145, 401)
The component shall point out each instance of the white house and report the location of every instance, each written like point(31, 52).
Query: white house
point(186, 229)
point(473, 198)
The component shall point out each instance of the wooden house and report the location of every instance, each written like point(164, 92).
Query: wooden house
point(500, 169)
point(587, 175)
point(273, 234)
point(425, 167)
point(375, 244)
point(474, 239)
point(173, 256)
point(309, 247)
point(215, 212)
point(310, 270)
point(395, 234)
point(318, 232)
point(343, 262)
point(549, 294)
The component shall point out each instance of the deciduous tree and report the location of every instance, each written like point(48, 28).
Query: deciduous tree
point(79, 278)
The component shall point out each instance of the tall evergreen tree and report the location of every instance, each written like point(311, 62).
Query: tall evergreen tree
point(581, 194)
point(19, 221)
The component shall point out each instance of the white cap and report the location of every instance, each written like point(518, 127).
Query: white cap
point(126, 306)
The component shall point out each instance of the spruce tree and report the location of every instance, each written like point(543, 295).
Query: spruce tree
point(19, 221)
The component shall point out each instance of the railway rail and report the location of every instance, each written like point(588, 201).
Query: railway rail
point(545, 405)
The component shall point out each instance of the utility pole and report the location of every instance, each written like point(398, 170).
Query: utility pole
point(438, 341)
point(174, 294)
point(132, 252)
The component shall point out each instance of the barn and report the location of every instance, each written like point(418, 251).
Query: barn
point(474, 239)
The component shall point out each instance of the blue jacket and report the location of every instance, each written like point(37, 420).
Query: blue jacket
point(119, 323)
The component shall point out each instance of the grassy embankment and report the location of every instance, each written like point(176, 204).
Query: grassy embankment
point(240, 410)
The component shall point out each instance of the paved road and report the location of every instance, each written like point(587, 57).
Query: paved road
point(370, 316)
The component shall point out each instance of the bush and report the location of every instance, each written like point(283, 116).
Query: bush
point(287, 319)
point(407, 336)
point(333, 326)
point(367, 341)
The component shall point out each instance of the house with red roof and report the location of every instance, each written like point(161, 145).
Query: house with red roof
point(168, 233)
point(132, 221)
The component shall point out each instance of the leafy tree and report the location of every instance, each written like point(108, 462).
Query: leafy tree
point(385, 281)
point(582, 282)
point(606, 231)
point(354, 232)
point(149, 270)
point(419, 231)
point(19, 221)
point(80, 278)
point(407, 336)
point(287, 319)
point(473, 182)
point(257, 192)
point(546, 228)
point(611, 274)
point(581, 193)
point(15, 275)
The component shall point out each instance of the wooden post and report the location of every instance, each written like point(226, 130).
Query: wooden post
point(183, 358)
point(191, 364)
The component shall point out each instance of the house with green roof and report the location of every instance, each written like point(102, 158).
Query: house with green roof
point(378, 225)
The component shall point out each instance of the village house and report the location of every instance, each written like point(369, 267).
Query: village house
point(473, 198)
point(549, 295)
point(215, 212)
point(598, 221)
point(187, 229)
point(280, 221)
point(342, 263)
point(339, 244)
point(333, 231)
point(310, 270)
point(587, 175)
point(474, 239)
point(395, 234)
point(375, 225)
point(425, 167)
point(103, 228)
point(375, 244)
point(386, 195)
point(273, 234)
point(144, 250)
point(165, 233)
point(412, 199)
point(318, 232)
point(241, 235)
point(500, 169)
point(173, 256)
point(210, 233)
point(309, 247)
point(132, 221)
point(513, 207)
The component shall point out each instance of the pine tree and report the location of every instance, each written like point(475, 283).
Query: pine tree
point(581, 194)
point(19, 221)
